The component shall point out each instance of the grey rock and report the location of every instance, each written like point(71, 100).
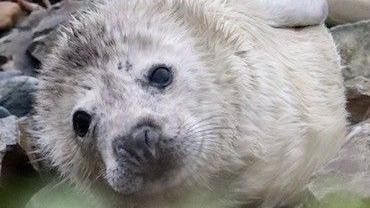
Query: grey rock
point(14, 47)
point(42, 45)
point(8, 74)
point(3, 54)
point(4, 112)
point(353, 42)
point(9, 135)
point(44, 33)
point(346, 11)
point(16, 94)
point(26, 44)
point(349, 171)
point(3, 60)
point(357, 87)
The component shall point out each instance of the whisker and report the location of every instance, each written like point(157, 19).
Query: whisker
point(216, 130)
point(203, 125)
point(202, 120)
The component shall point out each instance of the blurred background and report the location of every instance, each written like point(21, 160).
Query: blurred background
point(27, 31)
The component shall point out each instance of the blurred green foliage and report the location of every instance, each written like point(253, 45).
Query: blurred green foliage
point(340, 200)
point(58, 195)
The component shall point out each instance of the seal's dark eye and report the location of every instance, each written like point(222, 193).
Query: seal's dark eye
point(160, 77)
point(81, 123)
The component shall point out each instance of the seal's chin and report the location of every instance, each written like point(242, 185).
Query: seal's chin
point(128, 182)
point(125, 182)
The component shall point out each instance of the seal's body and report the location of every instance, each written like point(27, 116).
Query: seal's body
point(156, 98)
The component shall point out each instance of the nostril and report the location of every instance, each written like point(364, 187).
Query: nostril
point(147, 139)
point(150, 138)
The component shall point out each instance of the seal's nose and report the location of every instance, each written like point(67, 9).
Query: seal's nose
point(141, 145)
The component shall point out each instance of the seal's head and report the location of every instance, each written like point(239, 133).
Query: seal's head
point(129, 96)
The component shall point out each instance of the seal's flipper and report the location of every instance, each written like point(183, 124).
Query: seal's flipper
point(293, 13)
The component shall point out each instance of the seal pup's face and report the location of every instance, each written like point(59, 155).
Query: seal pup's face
point(137, 103)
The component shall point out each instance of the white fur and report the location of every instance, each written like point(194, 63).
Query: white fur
point(281, 91)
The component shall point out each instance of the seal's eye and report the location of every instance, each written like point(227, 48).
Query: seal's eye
point(160, 77)
point(81, 123)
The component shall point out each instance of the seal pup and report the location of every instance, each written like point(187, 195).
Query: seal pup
point(156, 98)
